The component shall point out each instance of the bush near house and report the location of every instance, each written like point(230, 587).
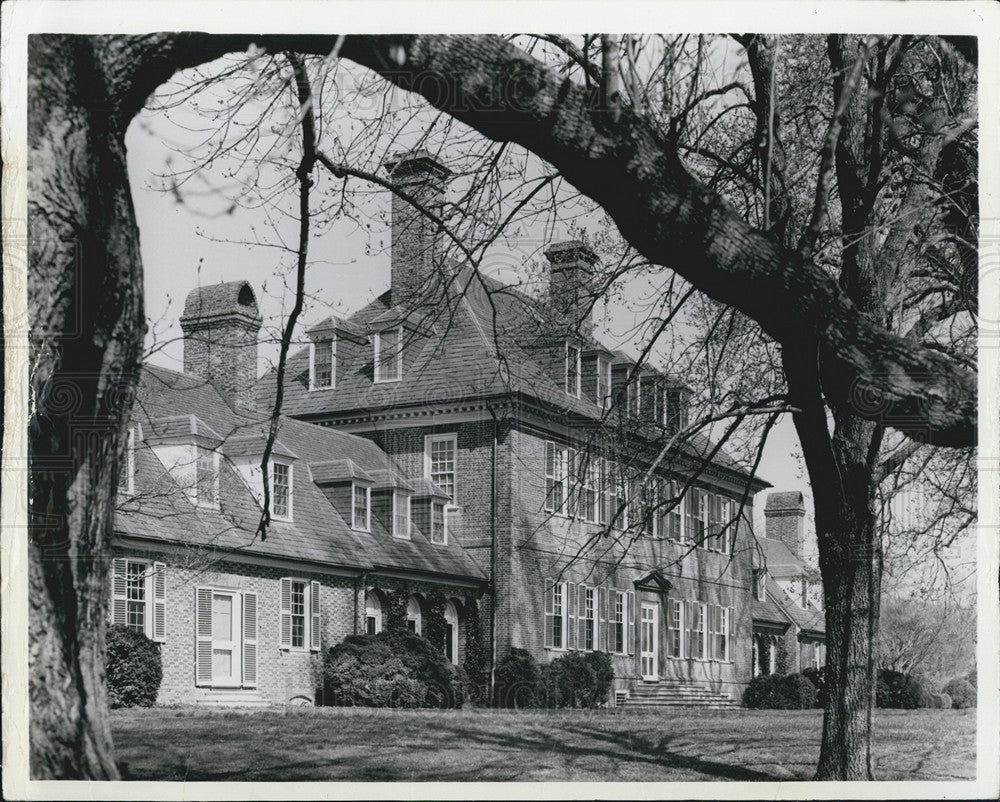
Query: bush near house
point(391, 669)
point(577, 680)
point(133, 668)
point(817, 676)
point(962, 694)
point(898, 691)
point(517, 680)
point(777, 692)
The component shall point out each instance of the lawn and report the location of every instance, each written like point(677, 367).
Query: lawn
point(359, 744)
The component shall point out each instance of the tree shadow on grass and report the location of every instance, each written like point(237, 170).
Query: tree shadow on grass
point(575, 746)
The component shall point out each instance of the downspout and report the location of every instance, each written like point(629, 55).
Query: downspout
point(493, 549)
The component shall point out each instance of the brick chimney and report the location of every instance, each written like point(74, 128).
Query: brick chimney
point(785, 516)
point(220, 325)
point(414, 236)
point(571, 275)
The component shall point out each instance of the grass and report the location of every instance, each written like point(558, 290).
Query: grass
point(484, 745)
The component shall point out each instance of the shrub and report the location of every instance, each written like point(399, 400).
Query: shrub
point(971, 678)
point(777, 692)
point(604, 675)
point(133, 668)
point(390, 670)
point(476, 663)
point(798, 692)
point(942, 701)
point(898, 691)
point(517, 681)
point(962, 694)
point(817, 676)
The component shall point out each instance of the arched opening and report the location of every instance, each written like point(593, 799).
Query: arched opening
point(373, 613)
point(414, 618)
point(451, 621)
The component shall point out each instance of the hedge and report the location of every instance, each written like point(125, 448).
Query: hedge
point(778, 692)
point(133, 668)
point(898, 691)
point(577, 679)
point(391, 669)
point(517, 680)
point(817, 676)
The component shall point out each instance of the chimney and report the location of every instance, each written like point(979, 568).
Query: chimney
point(414, 236)
point(220, 325)
point(571, 275)
point(785, 515)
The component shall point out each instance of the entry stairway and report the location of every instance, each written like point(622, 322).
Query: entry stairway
point(662, 695)
point(232, 698)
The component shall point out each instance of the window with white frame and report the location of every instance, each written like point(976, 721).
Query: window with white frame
point(299, 614)
point(138, 596)
point(590, 490)
point(698, 631)
point(135, 595)
point(323, 364)
point(589, 618)
point(389, 355)
point(675, 513)
point(439, 529)
point(126, 474)
point(414, 617)
point(675, 628)
point(373, 613)
point(361, 506)
point(718, 619)
point(603, 382)
point(555, 614)
point(572, 370)
point(207, 481)
point(556, 477)
point(400, 514)
point(281, 490)
point(619, 619)
point(727, 527)
point(675, 413)
point(696, 507)
point(634, 396)
point(440, 461)
point(614, 498)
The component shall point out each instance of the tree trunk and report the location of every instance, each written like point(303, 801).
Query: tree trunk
point(87, 326)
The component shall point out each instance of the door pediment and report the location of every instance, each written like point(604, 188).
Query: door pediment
point(653, 581)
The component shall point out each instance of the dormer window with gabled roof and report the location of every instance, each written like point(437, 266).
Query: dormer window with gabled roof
point(603, 367)
point(281, 490)
point(207, 477)
point(361, 507)
point(126, 474)
point(323, 363)
point(389, 354)
point(572, 372)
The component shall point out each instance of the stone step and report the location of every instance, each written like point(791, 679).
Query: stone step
point(233, 699)
point(657, 695)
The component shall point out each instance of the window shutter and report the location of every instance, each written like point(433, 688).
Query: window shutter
point(118, 590)
point(159, 603)
point(314, 620)
point(630, 612)
point(688, 628)
point(581, 617)
point(549, 630)
point(249, 640)
point(729, 635)
point(571, 615)
point(285, 628)
point(602, 611)
point(203, 636)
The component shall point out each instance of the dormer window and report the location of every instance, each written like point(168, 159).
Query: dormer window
point(675, 416)
point(126, 475)
point(439, 534)
point(389, 355)
point(400, 514)
point(323, 364)
point(361, 508)
point(572, 370)
point(281, 490)
point(603, 382)
point(207, 477)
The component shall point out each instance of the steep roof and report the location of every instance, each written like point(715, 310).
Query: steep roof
point(161, 509)
point(491, 342)
point(779, 560)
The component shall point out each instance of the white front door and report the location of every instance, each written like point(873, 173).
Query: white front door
point(226, 618)
point(649, 651)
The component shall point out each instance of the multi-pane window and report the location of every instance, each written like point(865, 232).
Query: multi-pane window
point(361, 508)
point(589, 619)
point(207, 468)
point(389, 355)
point(698, 631)
point(555, 615)
point(324, 371)
point(618, 622)
point(441, 451)
point(556, 477)
point(675, 628)
point(135, 595)
point(589, 496)
point(675, 513)
point(572, 370)
point(281, 486)
point(400, 514)
point(675, 412)
point(438, 532)
point(720, 632)
point(727, 529)
point(696, 509)
point(298, 615)
point(126, 474)
point(603, 382)
point(613, 496)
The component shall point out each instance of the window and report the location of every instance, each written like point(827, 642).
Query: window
point(400, 514)
point(207, 470)
point(555, 614)
point(556, 476)
point(589, 496)
point(389, 355)
point(281, 490)
point(675, 513)
point(322, 364)
point(697, 516)
point(589, 639)
point(299, 614)
point(573, 370)
point(613, 496)
point(373, 613)
point(697, 613)
point(633, 397)
point(451, 632)
point(441, 452)
point(675, 629)
point(760, 583)
point(126, 474)
point(619, 617)
point(719, 632)
point(439, 532)
point(138, 596)
point(675, 411)
point(727, 527)
point(603, 382)
point(414, 619)
point(361, 508)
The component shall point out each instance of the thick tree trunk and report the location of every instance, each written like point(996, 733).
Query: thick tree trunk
point(84, 298)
